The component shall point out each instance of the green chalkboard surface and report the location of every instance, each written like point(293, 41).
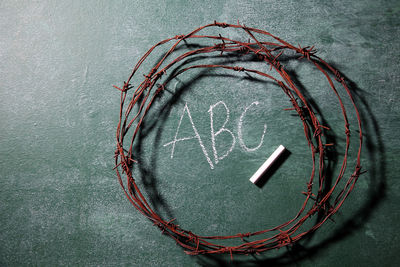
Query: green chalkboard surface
point(60, 201)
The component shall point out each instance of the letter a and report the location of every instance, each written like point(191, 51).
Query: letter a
point(196, 135)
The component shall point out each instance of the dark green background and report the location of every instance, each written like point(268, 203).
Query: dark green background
point(60, 202)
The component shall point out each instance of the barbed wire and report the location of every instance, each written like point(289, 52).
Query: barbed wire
point(148, 90)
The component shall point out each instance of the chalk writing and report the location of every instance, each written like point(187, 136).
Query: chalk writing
point(196, 135)
point(214, 133)
point(221, 130)
point(240, 135)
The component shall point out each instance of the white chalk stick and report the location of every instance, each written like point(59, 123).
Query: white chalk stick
point(267, 164)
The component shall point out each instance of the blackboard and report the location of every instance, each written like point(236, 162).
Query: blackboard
point(60, 201)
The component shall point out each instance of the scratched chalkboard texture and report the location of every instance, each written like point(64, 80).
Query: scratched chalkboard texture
point(60, 202)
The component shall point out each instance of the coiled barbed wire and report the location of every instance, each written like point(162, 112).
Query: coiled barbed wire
point(268, 53)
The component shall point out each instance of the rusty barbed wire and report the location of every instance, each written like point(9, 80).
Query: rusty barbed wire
point(144, 95)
